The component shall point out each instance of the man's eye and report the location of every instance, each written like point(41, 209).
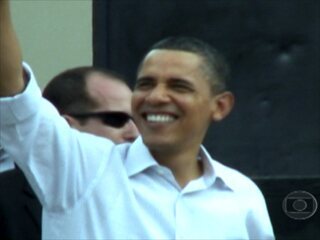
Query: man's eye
point(182, 88)
point(143, 85)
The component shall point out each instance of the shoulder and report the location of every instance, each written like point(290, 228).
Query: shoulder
point(236, 180)
point(232, 178)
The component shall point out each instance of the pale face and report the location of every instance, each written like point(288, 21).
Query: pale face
point(172, 102)
point(110, 96)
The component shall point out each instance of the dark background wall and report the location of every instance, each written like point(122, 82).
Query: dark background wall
point(273, 47)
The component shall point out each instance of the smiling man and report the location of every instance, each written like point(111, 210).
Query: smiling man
point(176, 99)
point(164, 185)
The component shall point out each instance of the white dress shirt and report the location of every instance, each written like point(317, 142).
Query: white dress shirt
point(93, 189)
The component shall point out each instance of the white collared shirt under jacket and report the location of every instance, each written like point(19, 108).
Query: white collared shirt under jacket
point(93, 189)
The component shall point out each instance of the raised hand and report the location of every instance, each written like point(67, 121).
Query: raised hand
point(11, 75)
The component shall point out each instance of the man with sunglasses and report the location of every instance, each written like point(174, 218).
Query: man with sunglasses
point(164, 185)
point(92, 100)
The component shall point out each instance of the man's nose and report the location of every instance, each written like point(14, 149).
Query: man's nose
point(130, 132)
point(158, 95)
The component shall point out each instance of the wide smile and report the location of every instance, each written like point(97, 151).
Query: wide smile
point(159, 118)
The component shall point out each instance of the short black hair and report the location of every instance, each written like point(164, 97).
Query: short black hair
point(67, 91)
point(215, 64)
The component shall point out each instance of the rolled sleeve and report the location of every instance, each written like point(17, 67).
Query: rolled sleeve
point(23, 105)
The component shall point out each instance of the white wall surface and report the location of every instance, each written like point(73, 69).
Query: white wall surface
point(54, 34)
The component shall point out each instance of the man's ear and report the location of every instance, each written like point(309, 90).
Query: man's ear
point(222, 105)
point(71, 120)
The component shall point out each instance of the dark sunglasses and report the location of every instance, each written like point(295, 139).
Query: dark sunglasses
point(113, 119)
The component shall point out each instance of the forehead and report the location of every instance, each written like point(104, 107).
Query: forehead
point(171, 60)
point(109, 93)
point(166, 65)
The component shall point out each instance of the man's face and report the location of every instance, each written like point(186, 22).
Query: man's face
point(111, 96)
point(172, 101)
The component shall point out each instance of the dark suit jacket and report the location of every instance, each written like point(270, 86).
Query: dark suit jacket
point(20, 210)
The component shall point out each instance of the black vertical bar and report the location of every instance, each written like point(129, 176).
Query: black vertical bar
point(100, 32)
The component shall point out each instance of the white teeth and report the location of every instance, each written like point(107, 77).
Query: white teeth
point(159, 118)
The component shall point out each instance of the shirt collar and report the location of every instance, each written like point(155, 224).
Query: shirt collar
point(139, 158)
point(215, 172)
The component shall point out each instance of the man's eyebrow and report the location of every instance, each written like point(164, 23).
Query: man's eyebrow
point(181, 81)
point(144, 78)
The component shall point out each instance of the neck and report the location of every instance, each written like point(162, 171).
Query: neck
point(184, 165)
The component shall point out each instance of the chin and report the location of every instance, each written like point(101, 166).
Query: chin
point(154, 142)
point(156, 145)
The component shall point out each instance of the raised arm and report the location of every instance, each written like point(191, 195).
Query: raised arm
point(11, 76)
